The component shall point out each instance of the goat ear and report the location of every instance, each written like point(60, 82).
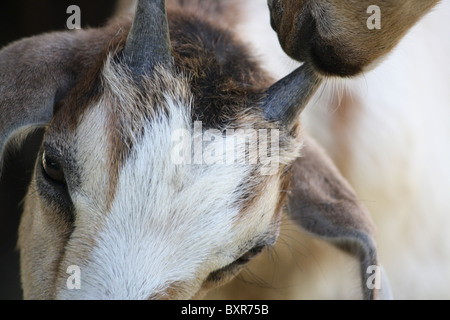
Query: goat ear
point(37, 72)
point(322, 202)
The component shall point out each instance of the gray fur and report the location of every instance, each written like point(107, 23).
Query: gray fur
point(148, 42)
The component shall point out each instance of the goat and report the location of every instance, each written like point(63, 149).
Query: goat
point(387, 131)
point(333, 35)
point(107, 196)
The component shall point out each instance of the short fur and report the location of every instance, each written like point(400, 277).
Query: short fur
point(333, 35)
point(205, 85)
point(97, 215)
point(385, 131)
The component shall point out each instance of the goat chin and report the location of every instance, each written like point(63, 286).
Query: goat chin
point(388, 132)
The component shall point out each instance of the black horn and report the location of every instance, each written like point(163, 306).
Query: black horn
point(148, 42)
point(287, 98)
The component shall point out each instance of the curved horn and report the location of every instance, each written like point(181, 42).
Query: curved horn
point(287, 98)
point(148, 42)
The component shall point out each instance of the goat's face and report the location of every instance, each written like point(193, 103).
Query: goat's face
point(135, 220)
point(112, 198)
point(134, 183)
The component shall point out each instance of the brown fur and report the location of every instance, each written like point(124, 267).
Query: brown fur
point(223, 91)
point(223, 78)
point(323, 202)
point(333, 34)
point(227, 85)
point(223, 12)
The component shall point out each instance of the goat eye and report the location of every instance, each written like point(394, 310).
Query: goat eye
point(249, 255)
point(218, 275)
point(52, 169)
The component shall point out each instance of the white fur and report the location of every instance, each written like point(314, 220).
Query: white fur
point(169, 224)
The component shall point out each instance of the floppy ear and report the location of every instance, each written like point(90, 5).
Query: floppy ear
point(37, 72)
point(324, 204)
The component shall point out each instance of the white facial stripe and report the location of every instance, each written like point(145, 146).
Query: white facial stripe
point(168, 223)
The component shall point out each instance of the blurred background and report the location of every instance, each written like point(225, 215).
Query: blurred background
point(19, 19)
